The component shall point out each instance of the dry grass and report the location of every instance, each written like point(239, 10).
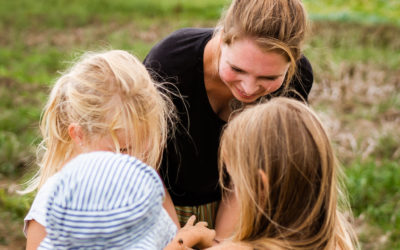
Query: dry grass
point(360, 106)
point(357, 96)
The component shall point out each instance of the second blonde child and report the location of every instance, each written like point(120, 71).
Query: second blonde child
point(285, 180)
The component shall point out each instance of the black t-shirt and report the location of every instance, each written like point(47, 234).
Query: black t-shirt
point(190, 162)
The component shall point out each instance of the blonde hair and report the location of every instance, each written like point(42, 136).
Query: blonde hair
point(275, 25)
point(104, 93)
point(297, 207)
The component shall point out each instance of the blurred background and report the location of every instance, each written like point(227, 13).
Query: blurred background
point(354, 47)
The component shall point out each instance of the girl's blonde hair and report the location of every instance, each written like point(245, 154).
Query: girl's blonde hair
point(275, 25)
point(297, 207)
point(105, 93)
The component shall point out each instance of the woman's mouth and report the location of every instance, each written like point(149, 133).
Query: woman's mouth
point(243, 94)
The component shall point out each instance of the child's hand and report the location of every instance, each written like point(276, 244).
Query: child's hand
point(193, 235)
point(203, 236)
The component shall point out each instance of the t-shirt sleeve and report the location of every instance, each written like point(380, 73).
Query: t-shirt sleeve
point(37, 211)
point(156, 60)
point(176, 53)
point(163, 59)
point(301, 83)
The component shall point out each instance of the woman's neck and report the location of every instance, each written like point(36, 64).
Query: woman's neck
point(218, 93)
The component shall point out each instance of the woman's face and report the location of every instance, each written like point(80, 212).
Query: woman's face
point(249, 72)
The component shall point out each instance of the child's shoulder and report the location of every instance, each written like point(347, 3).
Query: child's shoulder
point(37, 210)
point(47, 188)
point(230, 245)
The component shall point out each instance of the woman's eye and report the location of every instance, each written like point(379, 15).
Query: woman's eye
point(269, 78)
point(237, 70)
point(123, 150)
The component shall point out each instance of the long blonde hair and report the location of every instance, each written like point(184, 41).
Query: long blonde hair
point(297, 207)
point(275, 25)
point(104, 92)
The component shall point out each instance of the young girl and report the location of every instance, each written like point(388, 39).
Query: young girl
point(105, 102)
point(103, 200)
point(284, 177)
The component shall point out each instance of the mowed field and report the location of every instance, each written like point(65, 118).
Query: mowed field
point(354, 47)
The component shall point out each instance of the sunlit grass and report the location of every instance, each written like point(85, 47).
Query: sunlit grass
point(364, 11)
point(75, 13)
point(375, 197)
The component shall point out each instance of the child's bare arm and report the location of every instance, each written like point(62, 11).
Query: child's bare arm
point(192, 235)
point(227, 216)
point(169, 207)
point(35, 233)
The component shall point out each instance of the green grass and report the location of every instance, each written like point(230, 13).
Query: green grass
point(361, 11)
point(17, 205)
point(13, 210)
point(65, 14)
point(375, 194)
point(353, 47)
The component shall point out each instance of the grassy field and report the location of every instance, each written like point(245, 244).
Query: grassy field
point(354, 47)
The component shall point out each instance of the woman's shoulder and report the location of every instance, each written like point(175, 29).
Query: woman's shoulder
point(189, 32)
point(182, 40)
point(302, 82)
point(180, 49)
point(186, 36)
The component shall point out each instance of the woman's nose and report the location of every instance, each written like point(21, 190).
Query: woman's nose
point(249, 86)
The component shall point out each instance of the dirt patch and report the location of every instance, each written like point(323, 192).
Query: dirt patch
point(337, 34)
point(95, 33)
point(14, 93)
point(11, 236)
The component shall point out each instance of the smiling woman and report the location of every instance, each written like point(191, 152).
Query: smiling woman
point(253, 53)
point(249, 72)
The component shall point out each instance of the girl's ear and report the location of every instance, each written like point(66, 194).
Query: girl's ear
point(263, 194)
point(76, 133)
point(263, 177)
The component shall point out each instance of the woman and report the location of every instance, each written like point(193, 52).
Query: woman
point(254, 52)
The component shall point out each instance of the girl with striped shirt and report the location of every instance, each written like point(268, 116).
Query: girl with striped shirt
point(105, 102)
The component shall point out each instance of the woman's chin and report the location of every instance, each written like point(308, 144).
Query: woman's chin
point(246, 99)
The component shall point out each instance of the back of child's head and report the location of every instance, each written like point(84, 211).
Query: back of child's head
point(103, 200)
point(295, 205)
point(108, 93)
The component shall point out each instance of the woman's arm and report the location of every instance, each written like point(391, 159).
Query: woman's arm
point(35, 233)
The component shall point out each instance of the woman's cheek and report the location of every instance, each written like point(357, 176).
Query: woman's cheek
point(275, 85)
point(227, 75)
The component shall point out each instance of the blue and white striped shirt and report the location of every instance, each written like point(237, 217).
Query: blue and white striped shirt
point(104, 200)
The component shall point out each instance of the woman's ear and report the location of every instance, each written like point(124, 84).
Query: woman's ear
point(76, 133)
